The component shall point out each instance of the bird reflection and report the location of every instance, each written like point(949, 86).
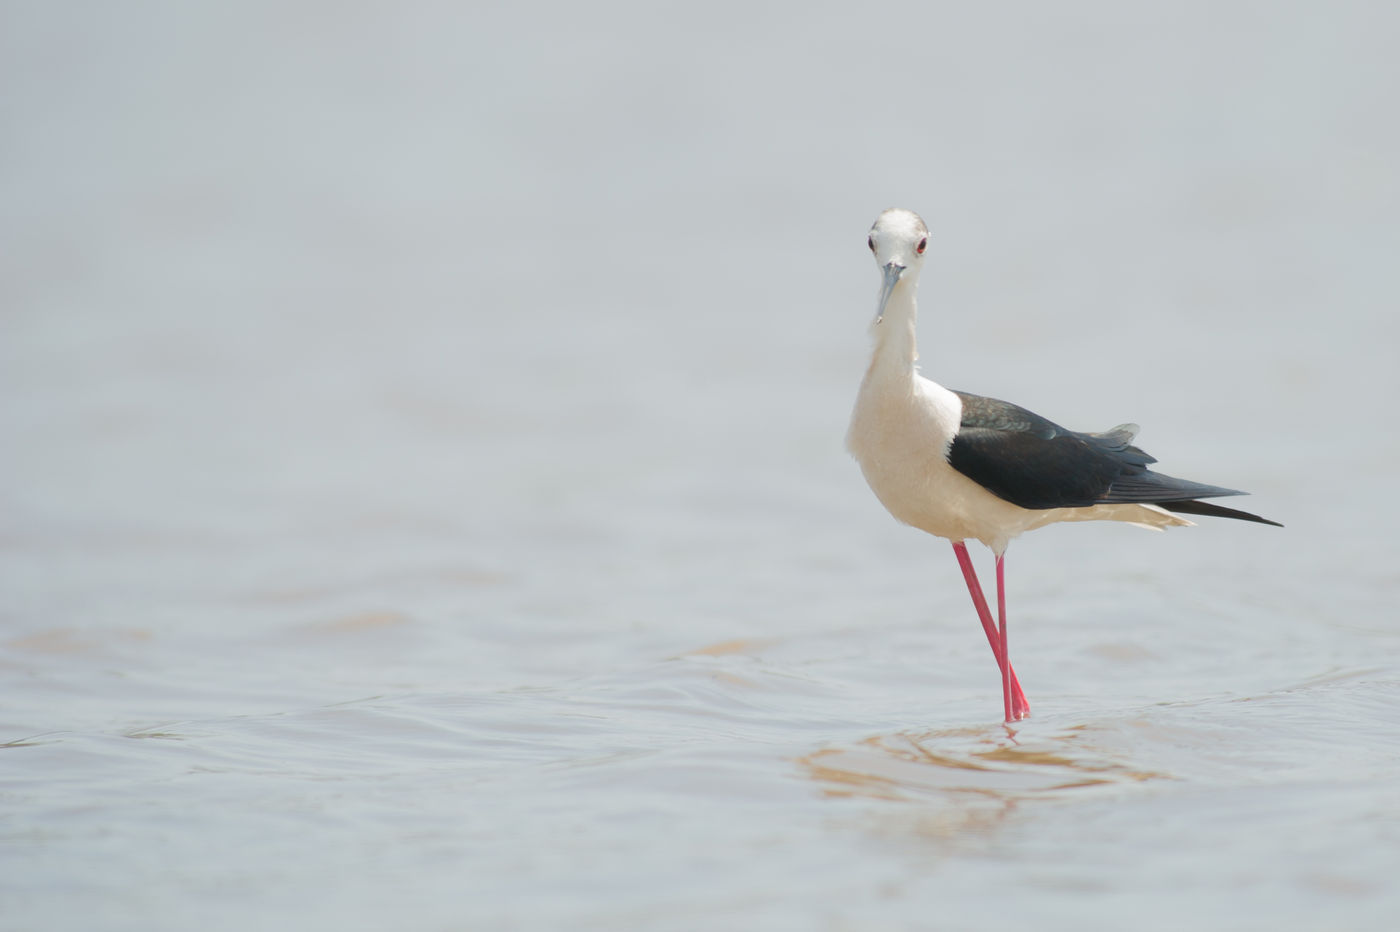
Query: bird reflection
point(961, 763)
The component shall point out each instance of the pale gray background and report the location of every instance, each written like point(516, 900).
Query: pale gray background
point(423, 505)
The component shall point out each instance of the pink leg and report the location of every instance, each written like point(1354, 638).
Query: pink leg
point(1016, 705)
point(1020, 708)
point(1001, 637)
point(1013, 698)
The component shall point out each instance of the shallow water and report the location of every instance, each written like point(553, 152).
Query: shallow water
point(424, 502)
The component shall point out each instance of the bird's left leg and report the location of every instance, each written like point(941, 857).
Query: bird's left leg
point(1015, 702)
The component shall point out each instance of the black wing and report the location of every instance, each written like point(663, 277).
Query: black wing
point(1033, 462)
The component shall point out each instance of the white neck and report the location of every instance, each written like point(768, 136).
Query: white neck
point(896, 344)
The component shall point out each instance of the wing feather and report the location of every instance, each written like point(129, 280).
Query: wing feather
point(1033, 462)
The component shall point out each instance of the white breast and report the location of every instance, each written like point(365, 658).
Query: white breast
point(900, 434)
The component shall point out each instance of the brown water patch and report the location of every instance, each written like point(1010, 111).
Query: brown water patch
point(70, 641)
point(726, 648)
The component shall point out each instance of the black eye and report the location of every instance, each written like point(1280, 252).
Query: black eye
point(923, 244)
point(870, 241)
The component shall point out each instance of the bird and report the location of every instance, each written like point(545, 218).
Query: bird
point(962, 466)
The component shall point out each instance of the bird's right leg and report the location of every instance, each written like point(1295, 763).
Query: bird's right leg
point(1017, 697)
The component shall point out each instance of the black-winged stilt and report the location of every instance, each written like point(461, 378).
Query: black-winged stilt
point(959, 465)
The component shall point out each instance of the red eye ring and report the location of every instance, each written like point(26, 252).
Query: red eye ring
point(923, 244)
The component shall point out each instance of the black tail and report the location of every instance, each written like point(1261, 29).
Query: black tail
point(1189, 507)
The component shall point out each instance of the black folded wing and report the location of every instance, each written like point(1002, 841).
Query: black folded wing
point(1033, 462)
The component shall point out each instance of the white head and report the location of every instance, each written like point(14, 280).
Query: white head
point(898, 239)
